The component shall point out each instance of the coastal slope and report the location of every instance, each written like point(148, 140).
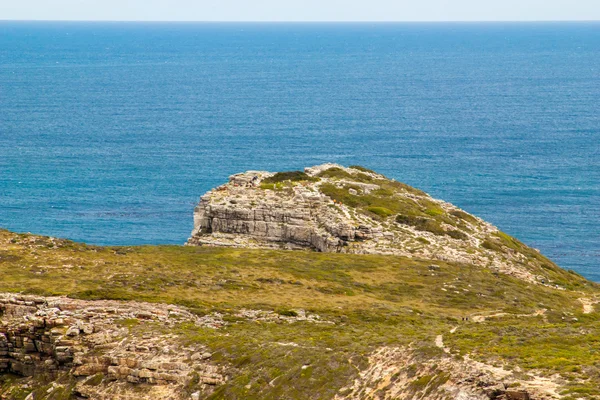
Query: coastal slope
point(388, 294)
point(331, 208)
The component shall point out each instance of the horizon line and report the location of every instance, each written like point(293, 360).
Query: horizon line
point(305, 21)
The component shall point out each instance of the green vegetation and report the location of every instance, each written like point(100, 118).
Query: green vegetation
point(128, 323)
point(287, 313)
point(464, 216)
point(381, 211)
point(362, 169)
point(285, 180)
point(362, 302)
point(367, 301)
point(342, 174)
point(420, 212)
point(293, 176)
point(423, 224)
point(273, 186)
point(434, 211)
point(388, 182)
point(456, 234)
point(383, 197)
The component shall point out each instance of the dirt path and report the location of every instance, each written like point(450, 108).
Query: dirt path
point(439, 342)
point(588, 304)
point(482, 318)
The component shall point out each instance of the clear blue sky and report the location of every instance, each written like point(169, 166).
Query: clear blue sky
point(301, 10)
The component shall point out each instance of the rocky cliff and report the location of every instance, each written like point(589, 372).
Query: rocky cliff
point(87, 350)
point(330, 208)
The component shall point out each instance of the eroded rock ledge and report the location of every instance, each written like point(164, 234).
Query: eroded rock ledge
point(89, 347)
point(331, 208)
point(90, 341)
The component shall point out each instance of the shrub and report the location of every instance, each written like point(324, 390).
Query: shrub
point(339, 173)
point(287, 313)
point(382, 192)
point(363, 169)
point(421, 224)
point(404, 186)
point(464, 216)
point(510, 241)
point(336, 172)
point(421, 383)
point(271, 186)
point(294, 176)
point(342, 195)
point(410, 220)
point(491, 245)
point(380, 211)
point(434, 211)
point(457, 235)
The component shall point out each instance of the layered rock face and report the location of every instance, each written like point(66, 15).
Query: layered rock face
point(60, 337)
point(89, 350)
point(330, 208)
point(241, 213)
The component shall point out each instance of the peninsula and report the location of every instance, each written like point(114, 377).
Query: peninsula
point(328, 283)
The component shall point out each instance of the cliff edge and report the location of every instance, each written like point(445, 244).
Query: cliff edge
point(331, 208)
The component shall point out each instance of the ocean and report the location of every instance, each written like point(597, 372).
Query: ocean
point(110, 132)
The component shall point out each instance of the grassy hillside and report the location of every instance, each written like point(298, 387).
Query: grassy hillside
point(364, 302)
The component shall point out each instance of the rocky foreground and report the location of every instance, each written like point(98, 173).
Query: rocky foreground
point(90, 355)
point(60, 336)
point(390, 294)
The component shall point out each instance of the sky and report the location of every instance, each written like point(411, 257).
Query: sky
point(301, 10)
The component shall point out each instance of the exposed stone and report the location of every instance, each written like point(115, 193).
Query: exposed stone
point(59, 335)
point(517, 395)
point(463, 378)
point(64, 336)
point(243, 213)
point(73, 331)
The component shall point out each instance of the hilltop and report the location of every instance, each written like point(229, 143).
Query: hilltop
point(330, 208)
point(388, 294)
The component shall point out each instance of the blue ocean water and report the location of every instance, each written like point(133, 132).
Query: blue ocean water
point(110, 132)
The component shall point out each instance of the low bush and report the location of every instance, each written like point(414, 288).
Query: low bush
point(464, 216)
point(421, 224)
point(287, 313)
point(294, 176)
point(339, 173)
point(491, 245)
point(343, 196)
point(457, 235)
point(361, 168)
point(381, 211)
point(434, 211)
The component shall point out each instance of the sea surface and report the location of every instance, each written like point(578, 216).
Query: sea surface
point(110, 132)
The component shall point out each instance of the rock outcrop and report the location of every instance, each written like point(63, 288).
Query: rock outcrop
point(89, 343)
point(391, 373)
point(330, 208)
point(243, 214)
point(92, 350)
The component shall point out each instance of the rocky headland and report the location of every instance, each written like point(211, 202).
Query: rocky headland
point(389, 294)
point(331, 208)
